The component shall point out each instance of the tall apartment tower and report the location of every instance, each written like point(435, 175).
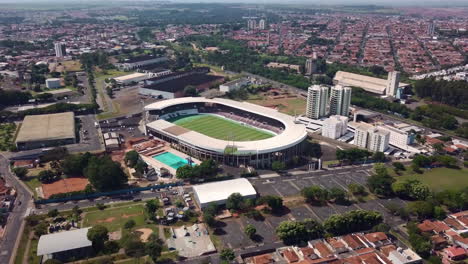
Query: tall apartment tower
point(340, 99)
point(262, 24)
point(360, 135)
point(317, 100)
point(310, 66)
point(431, 29)
point(251, 24)
point(60, 49)
point(393, 82)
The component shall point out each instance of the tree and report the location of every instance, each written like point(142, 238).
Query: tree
point(135, 249)
point(105, 174)
point(353, 221)
point(151, 206)
point(421, 161)
point(234, 201)
point(41, 229)
point(291, 232)
point(185, 172)
point(447, 161)
point(422, 209)
point(379, 157)
point(73, 165)
point(411, 189)
point(381, 182)
point(20, 172)
point(154, 247)
point(53, 213)
point(190, 90)
point(131, 158)
point(274, 202)
point(250, 231)
point(98, 235)
point(227, 254)
point(278, 165)
point(398, 166)
point(209, 219)
point(129, 224)
point(315, 194)
point(356, 189)
point(313, 149)
point(338, 195)
point(47, 176)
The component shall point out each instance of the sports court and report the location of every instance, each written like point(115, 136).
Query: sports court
point(64, 186)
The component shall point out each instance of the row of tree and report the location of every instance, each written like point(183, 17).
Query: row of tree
point(206, 170)
point(300, 231)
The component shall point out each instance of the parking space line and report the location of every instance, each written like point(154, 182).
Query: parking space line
point(280, 194)
point(345, 188)
point(312, 211)
point(294, 185)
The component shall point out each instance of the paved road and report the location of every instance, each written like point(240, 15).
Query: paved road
point(13, 226)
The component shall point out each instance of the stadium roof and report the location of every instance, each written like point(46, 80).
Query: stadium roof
point(47, 127)
point(370, 84)
point(220, 191)
point(63, 241)
point(292, 134)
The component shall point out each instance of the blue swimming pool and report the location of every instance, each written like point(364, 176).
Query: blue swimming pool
point(171, 160)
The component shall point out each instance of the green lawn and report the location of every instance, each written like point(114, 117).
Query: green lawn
point(220, 128)
point(440, 178)
point(115, 218)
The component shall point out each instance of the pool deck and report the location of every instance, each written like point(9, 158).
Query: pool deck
point(157, 164)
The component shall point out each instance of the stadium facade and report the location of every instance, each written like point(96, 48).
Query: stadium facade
point(288, 142)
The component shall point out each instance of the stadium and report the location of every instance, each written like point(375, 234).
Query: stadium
point(230, 132)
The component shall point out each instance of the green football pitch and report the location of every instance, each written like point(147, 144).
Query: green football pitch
point(220, 128)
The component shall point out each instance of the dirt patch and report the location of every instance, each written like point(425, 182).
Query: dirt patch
point(64, 186)
point(130, 215)
point(117, 235)
point(145, 234)
point(107, 220)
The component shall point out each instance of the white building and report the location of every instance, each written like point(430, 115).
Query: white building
point(233, 85)
point(340, 100)
point(393, 82)
point(310, 66)
point(317, 100)
point(335, 126)
point(404, 256)
point(251, 24)
point(262, 24)
point(64, 245)
point(398, 137)
point(60, 50)
point(371, 138)
point(218, 192)
point(53, 83)
point(378, 140)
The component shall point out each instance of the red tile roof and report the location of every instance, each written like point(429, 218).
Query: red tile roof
point(455, 251)
point(376, 236)
point(263, 259)
point(290, 256)
point(323, 250)
point(352, 241)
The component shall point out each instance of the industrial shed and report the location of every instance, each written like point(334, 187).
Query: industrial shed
point(218, 192)
point(65, 245)
point(38, 131)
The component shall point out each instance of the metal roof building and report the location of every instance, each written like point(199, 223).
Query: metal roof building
point(63, 244)
point(218, 192)
point(369, 84)
point(46, 130)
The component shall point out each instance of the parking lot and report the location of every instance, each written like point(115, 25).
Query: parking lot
point(292, 185)
point(231, 231)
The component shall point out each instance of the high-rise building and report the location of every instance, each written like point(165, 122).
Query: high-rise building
point(378, 140)
point(310, 66)
point(340, 99)
point(431, 29)
point(371, 138)
point(393, 82)
point(60, 49)
point(262, 24)
point(317, 100)
point(335, 126)
point(251, 24)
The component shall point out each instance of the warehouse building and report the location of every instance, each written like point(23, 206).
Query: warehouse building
point(369, 84)
point(218, 192)
point(65, 245)
point(38, 131)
